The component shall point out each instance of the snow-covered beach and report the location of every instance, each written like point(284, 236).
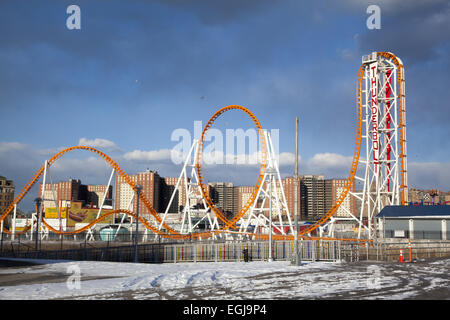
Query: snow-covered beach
point(228, 281)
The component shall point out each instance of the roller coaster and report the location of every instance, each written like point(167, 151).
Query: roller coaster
point(380, 129)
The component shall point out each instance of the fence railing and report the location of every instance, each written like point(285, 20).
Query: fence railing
point(391, 249)
point(83, 240)
point(151, 253)
point(122, 235)
point(309, 250)
point(157, 250)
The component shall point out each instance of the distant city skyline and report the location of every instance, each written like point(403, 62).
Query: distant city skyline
point(158, 191)
point(136, 72)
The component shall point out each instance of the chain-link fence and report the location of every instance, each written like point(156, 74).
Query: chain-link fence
point(310, 250)
point(162, 251)
point(395, 250)
point(109, 246)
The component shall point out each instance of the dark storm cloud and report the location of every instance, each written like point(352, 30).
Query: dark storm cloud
point(279, 58)
point(218, 11)
point(415, 30)
point(419, 33)
point(169, 51)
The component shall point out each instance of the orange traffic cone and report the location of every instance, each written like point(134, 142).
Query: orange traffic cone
point(401, 256)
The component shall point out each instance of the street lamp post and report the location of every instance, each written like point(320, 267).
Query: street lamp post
point(136, 249)
point(270, 172)
point(38, 216)
point(296, 252)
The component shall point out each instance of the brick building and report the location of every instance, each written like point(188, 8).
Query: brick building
point(6, 195)
point(224, 197)
point(63, 193)
point(312, 190)
point(150, 182)
point(167, 187)
point(333, 189)
point(71, 190)
point(96, 194)
point(289, 191)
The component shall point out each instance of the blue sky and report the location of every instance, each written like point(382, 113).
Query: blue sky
point(138, 70)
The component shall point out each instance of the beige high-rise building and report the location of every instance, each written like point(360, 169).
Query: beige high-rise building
point(61, 193)
point(64, 192)
point(333, 189)
point(289, 191)
point(414, 195)
point(242, 196)
point(197, 197)
point(150, 182)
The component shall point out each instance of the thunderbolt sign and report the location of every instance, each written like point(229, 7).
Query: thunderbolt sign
point(374, 113)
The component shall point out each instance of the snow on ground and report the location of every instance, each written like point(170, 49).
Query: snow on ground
point(230, 280)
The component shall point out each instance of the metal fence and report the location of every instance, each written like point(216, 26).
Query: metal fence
point(84, 240)
point(123, 235)
point(147, 253)
point(209, 251)
point(112, 246)
point(392, 249)
point(309, 250)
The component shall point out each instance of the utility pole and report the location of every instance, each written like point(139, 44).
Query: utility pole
point(136, 249)
point(38, 216)
point(270, 215)
point(297, 259)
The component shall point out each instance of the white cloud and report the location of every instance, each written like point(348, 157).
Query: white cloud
point(92, 168)
point(345, 54)
point(328, 164)
point(287, 158)
point(99, 143)
point(327, 161)
point(11, 146)
point(153, 155)
point(178, 157)
point(19, 162)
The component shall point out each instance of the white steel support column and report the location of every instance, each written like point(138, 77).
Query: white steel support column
point(13, 235)
point(271, 189)
point(193, 193)
point(383, 142)
point(381, 166)
point(39, 215)
point(106, 192)
point(55, 200)
point(270, 215)
point(89, 233)
point(130, 208)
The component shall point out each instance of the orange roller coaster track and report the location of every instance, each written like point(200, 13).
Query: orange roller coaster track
point(219, 214)
point(172, 233)
point(114, 165)
point(359, 123)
